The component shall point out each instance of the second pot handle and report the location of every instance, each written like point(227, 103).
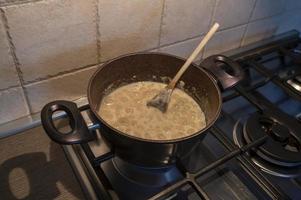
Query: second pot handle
point(79, 133)
point(227, 72)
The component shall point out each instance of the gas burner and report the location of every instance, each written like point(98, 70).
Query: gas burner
point(282, 148)
point(151, 177)
point(124, 176)
point(280, 154)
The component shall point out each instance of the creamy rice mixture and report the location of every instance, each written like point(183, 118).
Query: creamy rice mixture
point(125, 109)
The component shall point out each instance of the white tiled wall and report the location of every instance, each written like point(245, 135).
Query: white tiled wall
point(50, 48)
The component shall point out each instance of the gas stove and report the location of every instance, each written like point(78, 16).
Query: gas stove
point(252, 152)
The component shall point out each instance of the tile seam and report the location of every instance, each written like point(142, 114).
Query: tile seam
point(161, 22)
point(61, 74)
point(98, 34)
point(249, 21)
point(12, 49)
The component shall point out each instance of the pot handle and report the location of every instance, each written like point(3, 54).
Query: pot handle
point(226, 71)
point(79, 133)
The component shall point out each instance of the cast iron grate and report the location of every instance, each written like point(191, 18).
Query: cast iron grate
point(250, 59)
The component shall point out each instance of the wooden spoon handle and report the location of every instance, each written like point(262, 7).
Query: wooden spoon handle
point(194, 54)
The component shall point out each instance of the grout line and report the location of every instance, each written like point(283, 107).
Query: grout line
point(184, 40)
point(195, 37)
point(210, 24)
point(161, 23)
point(61, 74)
point(245, 31)
point(98, 35)
point(213, 13)
point(264, 18)
point(25, 94)
point(12, 50)
point(243, 36)
point(18, 2)
point(8, 88)
point(12, 46)
point(252, 12)
point(231, 27)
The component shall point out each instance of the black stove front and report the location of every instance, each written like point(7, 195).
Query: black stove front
point(252, 152)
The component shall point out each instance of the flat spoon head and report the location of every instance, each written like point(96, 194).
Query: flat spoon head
point(161, 100)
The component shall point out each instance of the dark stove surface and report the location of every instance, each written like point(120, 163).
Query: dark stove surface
point(252, 152)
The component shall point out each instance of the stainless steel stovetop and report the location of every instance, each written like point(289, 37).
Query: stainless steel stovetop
point(252, 152)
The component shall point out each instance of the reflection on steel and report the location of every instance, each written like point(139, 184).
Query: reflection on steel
point(295, 83)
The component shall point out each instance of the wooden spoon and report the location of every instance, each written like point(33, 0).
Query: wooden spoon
point(161, 100)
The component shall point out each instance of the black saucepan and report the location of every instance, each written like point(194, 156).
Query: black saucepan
point(201, 82)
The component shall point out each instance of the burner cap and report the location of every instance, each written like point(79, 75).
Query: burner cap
point(282, 147)
point(279, 132)
point(257, 157)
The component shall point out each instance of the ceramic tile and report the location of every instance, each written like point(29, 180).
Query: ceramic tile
point(224, 41)
point(261, 29)
point(185, 19)
point(183, 49)
point(128, 26)
point(66, 87)
point(53, 36)
point(8, 73)
point(13, 105)
point(268, 8)
point(230, 13)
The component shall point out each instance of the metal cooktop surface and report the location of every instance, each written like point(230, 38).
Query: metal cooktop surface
point(252, 152)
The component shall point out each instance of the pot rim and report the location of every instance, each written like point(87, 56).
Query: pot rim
point(149, 140)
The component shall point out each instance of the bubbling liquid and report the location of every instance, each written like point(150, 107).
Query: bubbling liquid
point(125, 109)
